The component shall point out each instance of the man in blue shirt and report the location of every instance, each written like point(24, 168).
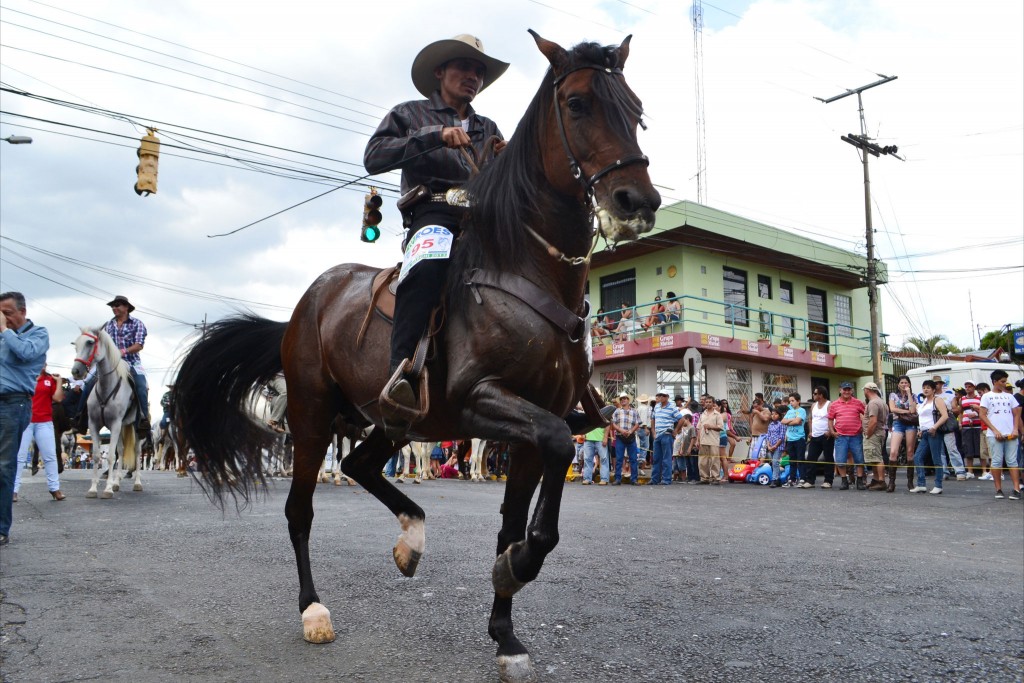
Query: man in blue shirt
point(667, 421)
point(23, 348)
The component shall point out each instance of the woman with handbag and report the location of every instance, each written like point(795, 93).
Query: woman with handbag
point(902, 407)
point(932, 414)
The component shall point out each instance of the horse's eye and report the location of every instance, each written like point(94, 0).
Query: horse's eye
point(576, 105)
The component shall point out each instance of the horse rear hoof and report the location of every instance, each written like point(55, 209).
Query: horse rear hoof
point(137, 487)
point(316, 624)
point(90, 494)
point(516, 669)
point(107, 494)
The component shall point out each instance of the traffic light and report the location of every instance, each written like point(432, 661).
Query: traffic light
point(149, 155)
point(371, 217)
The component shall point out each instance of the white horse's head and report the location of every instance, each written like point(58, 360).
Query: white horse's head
point(92, 346)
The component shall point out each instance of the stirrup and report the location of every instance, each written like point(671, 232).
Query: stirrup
point(398, 404)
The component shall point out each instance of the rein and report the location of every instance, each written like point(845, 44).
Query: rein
point(92, 356)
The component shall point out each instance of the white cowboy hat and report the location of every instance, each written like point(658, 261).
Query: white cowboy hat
point(441, 51)
point(643, 398)
point(624, 395)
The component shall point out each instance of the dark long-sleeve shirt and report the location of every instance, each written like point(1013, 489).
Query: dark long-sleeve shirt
point(412, 127)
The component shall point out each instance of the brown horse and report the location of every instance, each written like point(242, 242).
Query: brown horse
point(515, 354)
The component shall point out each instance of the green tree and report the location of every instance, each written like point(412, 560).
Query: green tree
point(936, 345)
point(1000, 339)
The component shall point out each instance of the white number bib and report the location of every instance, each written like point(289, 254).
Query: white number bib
point(429, 242)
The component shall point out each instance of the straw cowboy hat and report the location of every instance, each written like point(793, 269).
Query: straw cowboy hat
point(121, 299)
point(643, 398)
point(624, 395)
point(442, 51)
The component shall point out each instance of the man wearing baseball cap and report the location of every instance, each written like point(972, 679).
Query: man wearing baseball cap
point(667, 421)
point(970, 426)
point(438, 143)
point(844, 417)
point(953, 457)
point(876, 420)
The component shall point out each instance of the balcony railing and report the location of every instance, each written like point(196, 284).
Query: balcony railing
point(698, 314)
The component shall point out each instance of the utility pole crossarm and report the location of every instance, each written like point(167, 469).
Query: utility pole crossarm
point(857, 91)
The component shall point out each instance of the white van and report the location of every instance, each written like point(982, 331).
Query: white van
point(955, 374)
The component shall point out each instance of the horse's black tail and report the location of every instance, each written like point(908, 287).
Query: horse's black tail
point(211, 395)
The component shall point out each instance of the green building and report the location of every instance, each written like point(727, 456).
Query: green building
point(767, 310)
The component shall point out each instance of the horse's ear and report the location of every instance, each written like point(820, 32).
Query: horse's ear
point(623, 51)
point(555, 53)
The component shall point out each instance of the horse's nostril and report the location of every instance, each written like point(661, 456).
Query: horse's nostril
point(627, 200)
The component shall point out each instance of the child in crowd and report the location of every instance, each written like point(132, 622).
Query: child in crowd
point(776, 440)
point(681, 449)
point(450, 470)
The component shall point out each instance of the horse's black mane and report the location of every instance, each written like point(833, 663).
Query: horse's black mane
point(505, 194)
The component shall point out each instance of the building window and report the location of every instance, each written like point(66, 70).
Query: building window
point(785, 292)
point(618, 291)
point(764, 287)
point(615, 382)
point(844, 316)
point(784, 327)
point(676, 381)
point(734, 285)
point(703, 270)
point(775, 385)
point(817, 316)
point(765, 324)
point(739, 393)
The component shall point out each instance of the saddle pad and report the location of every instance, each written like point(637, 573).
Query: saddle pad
point(384, 296)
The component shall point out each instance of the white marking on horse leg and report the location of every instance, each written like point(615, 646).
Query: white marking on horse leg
point(409, 548)
point(316, 624)
point(516, 669)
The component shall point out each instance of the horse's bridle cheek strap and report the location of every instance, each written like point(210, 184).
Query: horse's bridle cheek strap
point(92, 356)
point(574, 164)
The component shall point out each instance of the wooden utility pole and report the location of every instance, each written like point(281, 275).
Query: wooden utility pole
point(866, 147)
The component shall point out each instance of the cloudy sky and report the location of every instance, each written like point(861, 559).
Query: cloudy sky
point(309, 81)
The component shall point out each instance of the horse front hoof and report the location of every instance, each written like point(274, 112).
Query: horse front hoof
point(107, 494)
point(516, 669)
point(137, 486)
point(406, 559)
point(117, 487)
point(90, 494)
point(316, 624)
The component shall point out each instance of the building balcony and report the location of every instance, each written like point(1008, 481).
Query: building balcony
point(719, 328)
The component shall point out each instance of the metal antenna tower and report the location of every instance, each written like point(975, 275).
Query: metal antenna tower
point(697, 19)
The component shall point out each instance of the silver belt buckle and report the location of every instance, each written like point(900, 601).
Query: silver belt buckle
point(457, 196)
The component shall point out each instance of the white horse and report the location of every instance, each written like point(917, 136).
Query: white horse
point(342, 443)
point(112, 404)
point(421, 451)
point(476, 460)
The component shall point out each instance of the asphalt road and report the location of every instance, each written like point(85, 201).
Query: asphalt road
point(680, 583)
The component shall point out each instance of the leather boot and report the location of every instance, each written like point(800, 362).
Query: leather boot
point(891, 488)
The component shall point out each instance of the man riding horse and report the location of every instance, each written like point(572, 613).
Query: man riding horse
point(439, 143)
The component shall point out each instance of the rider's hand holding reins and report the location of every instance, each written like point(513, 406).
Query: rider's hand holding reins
point(454, 137)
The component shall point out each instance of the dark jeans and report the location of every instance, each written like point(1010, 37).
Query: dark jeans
point(422, 287)
point(141, 393)
point(623, 448)
point(15, 414)
point(819, 446)
point(692, 468)
point(796, 450)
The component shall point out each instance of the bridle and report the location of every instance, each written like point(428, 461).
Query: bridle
point(574, 164)
point(87, 362)
point(577, 170)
